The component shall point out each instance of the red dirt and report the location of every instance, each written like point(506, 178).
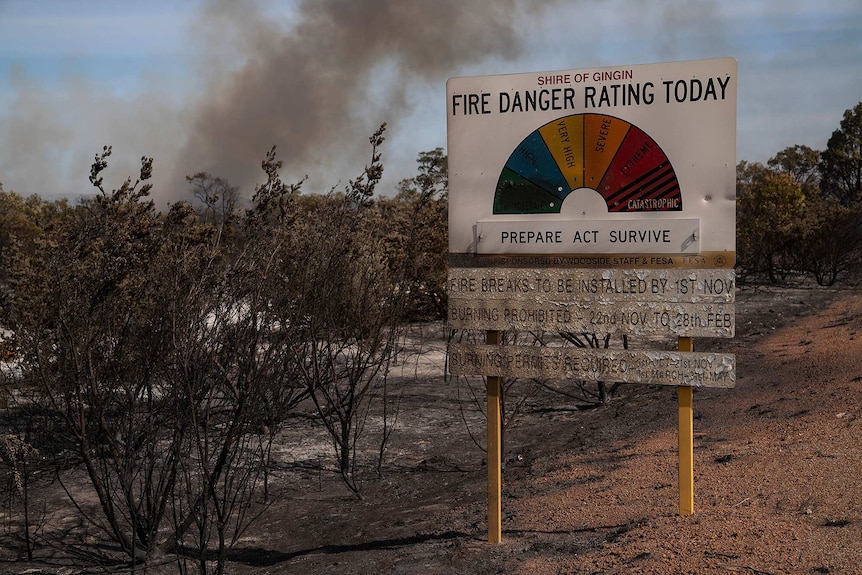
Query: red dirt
point(777, 466)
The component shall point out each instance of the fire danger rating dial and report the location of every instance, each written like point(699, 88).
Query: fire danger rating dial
point(603, 153)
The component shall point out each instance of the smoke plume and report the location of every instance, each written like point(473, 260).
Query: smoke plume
point(315, 79)
point(319, 87)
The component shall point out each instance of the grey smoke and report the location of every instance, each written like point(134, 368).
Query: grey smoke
point(307, 88)
point(316, 83)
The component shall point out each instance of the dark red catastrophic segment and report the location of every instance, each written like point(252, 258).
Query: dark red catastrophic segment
point(640, 177)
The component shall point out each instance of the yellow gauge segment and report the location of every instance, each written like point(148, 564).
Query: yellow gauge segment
point(565, 141)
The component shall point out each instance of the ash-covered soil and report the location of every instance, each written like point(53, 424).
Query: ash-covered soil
point(777, 468)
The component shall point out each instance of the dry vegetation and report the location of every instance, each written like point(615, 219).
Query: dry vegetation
point(260, 388)
point(585, 491)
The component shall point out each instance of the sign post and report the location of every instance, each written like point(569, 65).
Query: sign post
point(599, 201)
point(686, 438)
point(495, 456)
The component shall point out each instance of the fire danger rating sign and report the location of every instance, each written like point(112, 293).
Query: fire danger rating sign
point(600, 201)
point(621, 160)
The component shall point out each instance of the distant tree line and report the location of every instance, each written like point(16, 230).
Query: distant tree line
point(801, 213)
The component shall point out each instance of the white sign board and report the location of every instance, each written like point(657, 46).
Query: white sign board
point(622, 160)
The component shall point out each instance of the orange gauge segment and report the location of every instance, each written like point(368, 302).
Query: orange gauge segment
point(602, 137)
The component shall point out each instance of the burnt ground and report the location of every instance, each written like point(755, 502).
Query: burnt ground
point(777, 471)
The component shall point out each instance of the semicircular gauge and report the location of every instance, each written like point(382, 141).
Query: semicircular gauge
point(604, 153)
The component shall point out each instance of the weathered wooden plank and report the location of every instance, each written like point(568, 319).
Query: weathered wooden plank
point(696, 369)
point(585, 284)
point(601, 318)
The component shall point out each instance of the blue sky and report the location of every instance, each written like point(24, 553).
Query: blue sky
point(148, 77)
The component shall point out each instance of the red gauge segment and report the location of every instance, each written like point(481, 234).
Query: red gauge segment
point(640, 178)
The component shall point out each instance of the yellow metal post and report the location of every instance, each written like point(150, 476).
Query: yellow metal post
point(686, 439)
point(495, 479)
